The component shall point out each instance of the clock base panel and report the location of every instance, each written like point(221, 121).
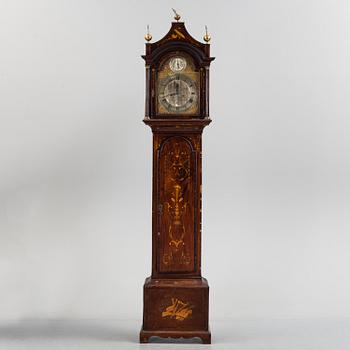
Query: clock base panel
point(176, 308)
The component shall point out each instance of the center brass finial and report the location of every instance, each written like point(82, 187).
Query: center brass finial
point(177, 16)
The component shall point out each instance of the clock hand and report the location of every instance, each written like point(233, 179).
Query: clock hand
point(177, 85)
point(171, 94)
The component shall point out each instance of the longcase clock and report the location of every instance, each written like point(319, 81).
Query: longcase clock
point(177, 109)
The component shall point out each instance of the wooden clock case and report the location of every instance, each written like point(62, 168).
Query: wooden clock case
point(176, 295)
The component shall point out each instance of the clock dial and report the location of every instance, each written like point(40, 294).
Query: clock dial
point(177, 86)
point(177, 64)
point(177, 93)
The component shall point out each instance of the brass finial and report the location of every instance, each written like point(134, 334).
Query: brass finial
point(206, 37)
point(177, 16)
point(148, 36)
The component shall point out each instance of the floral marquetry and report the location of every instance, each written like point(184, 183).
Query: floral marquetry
point(176, 222)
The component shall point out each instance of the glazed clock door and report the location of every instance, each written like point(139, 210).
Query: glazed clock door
point(177, 184)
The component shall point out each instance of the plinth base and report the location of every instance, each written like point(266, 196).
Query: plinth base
point(175, 308)
point(205, 336)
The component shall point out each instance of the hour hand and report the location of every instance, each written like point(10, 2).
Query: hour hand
point(171, 94)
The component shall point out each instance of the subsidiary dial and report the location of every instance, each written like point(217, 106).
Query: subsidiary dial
point(177, 64)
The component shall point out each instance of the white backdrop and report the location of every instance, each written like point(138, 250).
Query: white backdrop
point(75, 158)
